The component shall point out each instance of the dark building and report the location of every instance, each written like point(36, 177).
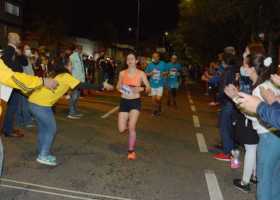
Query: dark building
point(11, 18)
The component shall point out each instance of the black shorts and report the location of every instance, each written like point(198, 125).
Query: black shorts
point(244, 132)
point(126, 105)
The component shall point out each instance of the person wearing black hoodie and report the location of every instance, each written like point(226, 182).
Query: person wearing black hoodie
point(11, 57)
point(226, 128)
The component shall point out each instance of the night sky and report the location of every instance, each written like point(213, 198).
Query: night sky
point(85, 17)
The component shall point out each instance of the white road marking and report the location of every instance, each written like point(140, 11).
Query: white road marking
point(62, 190)
point(193, 108)
point(110, 112)
point(213, 186)
point(45, 192)
point(196, 121)
point(201, 143)
point(190, 99)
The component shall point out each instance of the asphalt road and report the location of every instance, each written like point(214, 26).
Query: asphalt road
point(171, 165)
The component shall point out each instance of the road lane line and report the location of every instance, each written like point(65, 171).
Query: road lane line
point(190, 99)
point(45, 192)
point(110, 112)
point(196, 121)
point(201, 143)
point(213, 186)
point(62, 190)
point(193, 108)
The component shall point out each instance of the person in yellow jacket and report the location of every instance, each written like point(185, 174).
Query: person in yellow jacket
point(23, 82)
point(41, 102)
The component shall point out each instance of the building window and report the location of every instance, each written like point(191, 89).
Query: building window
point(12, 9)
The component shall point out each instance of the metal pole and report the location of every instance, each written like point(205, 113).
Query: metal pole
point(138, 24)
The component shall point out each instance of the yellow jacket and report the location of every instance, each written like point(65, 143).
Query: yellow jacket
point(20, 81)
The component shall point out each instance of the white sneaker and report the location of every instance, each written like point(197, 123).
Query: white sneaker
point(47, 160)
point(213, 104)
point(78, 115)
point(30, 126)
point(73, 117)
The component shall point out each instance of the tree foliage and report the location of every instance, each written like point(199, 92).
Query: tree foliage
point(207, 26)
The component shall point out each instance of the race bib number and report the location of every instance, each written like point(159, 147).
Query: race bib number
point(173, 72)
point(156, 75)
point(125, 89)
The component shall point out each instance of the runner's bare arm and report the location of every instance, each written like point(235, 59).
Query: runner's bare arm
point(120, 81)
point(146, 82)
point(150, 73)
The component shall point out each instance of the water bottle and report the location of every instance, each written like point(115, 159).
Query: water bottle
point(235, 162)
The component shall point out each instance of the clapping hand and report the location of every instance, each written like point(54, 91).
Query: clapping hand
point(231, 91)
point(275, 79)
point(268, 95)
point(248, 103)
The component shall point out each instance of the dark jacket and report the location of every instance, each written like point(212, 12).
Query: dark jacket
point(227, 77)
point(270, 113)
point(12, 60)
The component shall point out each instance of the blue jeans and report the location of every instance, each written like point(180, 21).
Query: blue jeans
point(46, 127)
point(226, 128)
point(1, 157)
point(12, 107)
point(268, 167)
point(23, 116)
point(74, 98)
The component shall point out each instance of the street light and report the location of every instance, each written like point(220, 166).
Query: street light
point(166, 33)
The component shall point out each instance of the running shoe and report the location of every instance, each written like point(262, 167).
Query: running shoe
point(73, 117)
point(213, 104)
point(156, 113)
point(131, 156)
point(222, 157)
point(77, 115)
point(30, 126)
point(47, 160)
point(239, 184)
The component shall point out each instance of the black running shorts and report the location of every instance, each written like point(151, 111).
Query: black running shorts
point(126, 105)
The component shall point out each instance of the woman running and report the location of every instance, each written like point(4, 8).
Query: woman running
point(130, 86)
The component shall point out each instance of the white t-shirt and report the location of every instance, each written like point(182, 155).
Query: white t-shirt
point(260, 126)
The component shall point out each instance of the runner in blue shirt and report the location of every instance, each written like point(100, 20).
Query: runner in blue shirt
point(156, 71)
point(174, 69)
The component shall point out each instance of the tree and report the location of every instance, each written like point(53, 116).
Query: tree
point(207, 26)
